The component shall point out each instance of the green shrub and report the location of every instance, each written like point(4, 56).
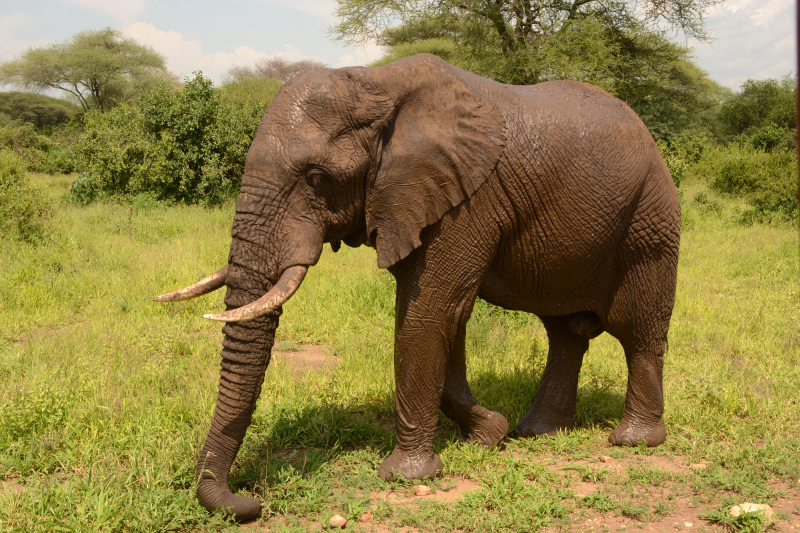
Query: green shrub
point(85, 189)
point(24, 212)
point(769, 138)
point(707, 204)
point(767, 180)
point(40, 152)
point(682, 152)
point(187, 145)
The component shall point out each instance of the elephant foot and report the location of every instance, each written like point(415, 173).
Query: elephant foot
point(630, 433)
point(410, 466)
point(484, 427)
point(218, 498)
point(531, 425)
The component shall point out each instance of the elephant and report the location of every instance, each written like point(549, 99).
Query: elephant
point(551, 199)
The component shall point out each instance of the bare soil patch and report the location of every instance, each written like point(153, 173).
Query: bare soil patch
point(310, 358)
point(406, 495)
point(10, 486)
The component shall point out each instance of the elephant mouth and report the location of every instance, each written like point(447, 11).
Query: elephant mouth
point(278, 295)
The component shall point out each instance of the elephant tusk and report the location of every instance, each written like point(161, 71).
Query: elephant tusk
point(278, 295)
point(204, 286)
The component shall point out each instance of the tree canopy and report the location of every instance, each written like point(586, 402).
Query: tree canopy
point(759, 104)
point(619, 45)
point(98, 68)
point(516, 24)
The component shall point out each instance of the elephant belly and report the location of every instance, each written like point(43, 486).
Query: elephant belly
point(553, 285)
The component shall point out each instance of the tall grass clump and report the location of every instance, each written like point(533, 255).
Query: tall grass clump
point(24, 212)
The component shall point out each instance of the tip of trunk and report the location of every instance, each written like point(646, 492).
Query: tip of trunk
point(217, 498)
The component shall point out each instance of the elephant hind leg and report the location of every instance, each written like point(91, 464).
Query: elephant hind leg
point(639, 317)
point(554, 406)
point(477, 423)
point(644, 401)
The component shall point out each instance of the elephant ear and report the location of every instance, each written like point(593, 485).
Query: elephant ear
point(442, 140)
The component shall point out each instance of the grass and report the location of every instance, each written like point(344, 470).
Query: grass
point(105, 396)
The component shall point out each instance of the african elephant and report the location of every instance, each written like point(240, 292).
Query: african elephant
point(551, 199)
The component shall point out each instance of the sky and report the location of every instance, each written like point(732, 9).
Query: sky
point(752, 38)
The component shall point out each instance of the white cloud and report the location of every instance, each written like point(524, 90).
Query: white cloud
point(363, 55)
point(319, 8)
point(122, 10)
point(735, 5)
point(185, 56)
point(770, 12)
point(752, 39)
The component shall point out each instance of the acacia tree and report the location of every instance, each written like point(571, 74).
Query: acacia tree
point(518, 24)
point(98, 68)
point(619, 45)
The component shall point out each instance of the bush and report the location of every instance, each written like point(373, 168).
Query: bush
point(39, 152)
point(85, 189)
point(187, 145)
point(24, 212)
point(767, 180)
point(769, 138)
point(682, 152)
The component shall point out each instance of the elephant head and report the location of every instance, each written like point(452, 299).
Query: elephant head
point(363, 155)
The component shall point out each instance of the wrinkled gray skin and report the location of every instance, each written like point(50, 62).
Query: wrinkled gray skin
point(551, 199)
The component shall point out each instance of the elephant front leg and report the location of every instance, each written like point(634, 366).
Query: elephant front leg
point(419, 364)
point(554, 406)
point(434, 301)
point(477, 423)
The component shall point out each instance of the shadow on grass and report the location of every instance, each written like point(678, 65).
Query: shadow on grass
point(289, 445)
point(512, 394)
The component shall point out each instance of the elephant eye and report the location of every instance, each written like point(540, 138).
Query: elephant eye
point(316, 179)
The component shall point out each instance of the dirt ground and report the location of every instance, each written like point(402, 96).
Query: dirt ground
point(310, 358)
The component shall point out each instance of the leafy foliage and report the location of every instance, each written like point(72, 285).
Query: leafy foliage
point(759, 104)
point(768, 181)
point(41, 153)
point(24, 212)
point(682, 152)
point(99, 69)
point(531, 42)
point(187, 145)
point(516, 24)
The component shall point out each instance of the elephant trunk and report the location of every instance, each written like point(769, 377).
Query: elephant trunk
point(245, 356)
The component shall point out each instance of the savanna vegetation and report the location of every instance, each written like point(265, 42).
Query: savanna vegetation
point(109, 199)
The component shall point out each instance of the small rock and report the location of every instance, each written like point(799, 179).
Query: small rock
point(338, 520)
point(698, 466)
point(366, 517)
point(688, 524)
point(607, 459)
point(423, 490)
point(752, 508)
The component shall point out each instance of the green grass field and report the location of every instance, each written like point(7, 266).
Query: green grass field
point(105, 396)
